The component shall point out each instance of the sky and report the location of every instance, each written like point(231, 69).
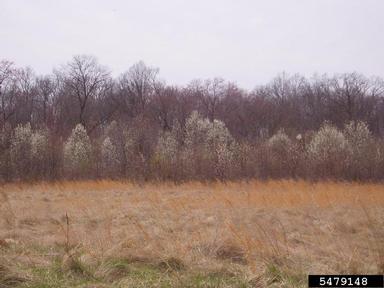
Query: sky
point(244, 41)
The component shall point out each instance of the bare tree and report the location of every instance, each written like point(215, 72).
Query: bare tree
point(135, 88)
point(85, 80)
point(164, 105)
point(136, 121)
point(26, 95)
point(209, 93)
point(46, 88)
point(6, 69)
point(349, 92)
point(7, 98)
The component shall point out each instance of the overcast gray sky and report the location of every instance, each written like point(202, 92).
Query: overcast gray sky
point(245, 41)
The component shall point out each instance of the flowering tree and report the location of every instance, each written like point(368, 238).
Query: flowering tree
point(39, 152)
point(281, 155)
point(195, 130)
point(329, 151)
point(166, 154)
point(194, 153)
point(29, 152)
point(110, 161)
point(220, 147)
point(77, 152)
point(20, 151)
point(363, 158)
point(209, 147)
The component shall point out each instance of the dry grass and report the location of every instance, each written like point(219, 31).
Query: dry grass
point(252, 234)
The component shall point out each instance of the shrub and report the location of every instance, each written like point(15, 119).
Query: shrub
point(139, 143)
point(110, 161)
point(281, 155)
point(209, 148)
point(246, 163)
point(166, 154)
point(77, 153)
point(363, 154)
point(39, 152)
point(29, 152)
point(196, 130)
point(115, 132)
point(328, 152)
point(20, 151)
point(220, 148)
point(193, 155)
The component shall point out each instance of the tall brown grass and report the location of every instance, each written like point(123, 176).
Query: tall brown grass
point(324, 227)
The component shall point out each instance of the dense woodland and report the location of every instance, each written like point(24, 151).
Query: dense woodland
point(80, 122)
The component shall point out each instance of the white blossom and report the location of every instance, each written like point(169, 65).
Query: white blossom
point(166, 148)
point(358, 135)
point(208, 142)
point(363, 154)
point(279, 144)
point(282, 154)
point(329, 150)
point(39, 146)
point(196, 129)
point(109, 157)
point(327, 143)
point(20, 151)
point(77, 152)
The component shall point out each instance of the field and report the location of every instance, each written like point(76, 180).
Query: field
point(254, 234)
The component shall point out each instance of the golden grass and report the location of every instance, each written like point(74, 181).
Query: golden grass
point(241, 227)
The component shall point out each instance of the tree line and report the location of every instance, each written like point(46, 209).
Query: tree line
point(80, 122)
